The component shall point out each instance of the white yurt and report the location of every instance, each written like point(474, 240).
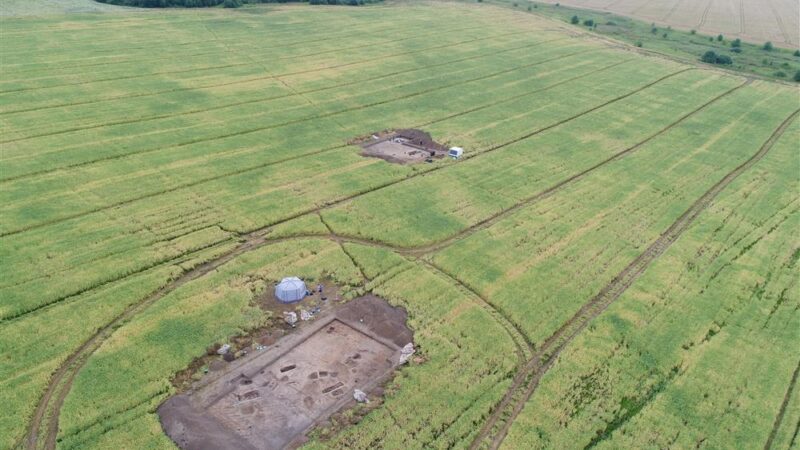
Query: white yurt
point(290, 289)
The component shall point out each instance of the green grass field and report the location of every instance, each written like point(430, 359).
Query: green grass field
point(160, 171)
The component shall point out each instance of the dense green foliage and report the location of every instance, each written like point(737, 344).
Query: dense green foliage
point(711, 57)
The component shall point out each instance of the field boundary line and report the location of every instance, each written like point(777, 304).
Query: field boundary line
point(524, 347)
point(289, 158)
point(782, 411)
point(741, 17)
point(332, 203)
point(491, 220)
point(59, 386)
point(340, 243)
point(61, 380)
point(548, 353)
point(786, 36)
point(102, 283)
point(704, 16)
point(316, 209)
point(671, 11)
point(285, 44)
point(257, 100)
point(523, 95)
point(251, 63)
point(250, 80)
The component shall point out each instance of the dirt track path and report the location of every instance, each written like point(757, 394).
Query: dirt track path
point(344, 199)
point(779, 418)
point(547, 354)
point(489, 221)
point(46, 416)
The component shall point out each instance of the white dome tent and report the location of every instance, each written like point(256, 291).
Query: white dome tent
point(290, 289)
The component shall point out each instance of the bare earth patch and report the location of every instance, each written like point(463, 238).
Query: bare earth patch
point(406, 146)
point(271, 399)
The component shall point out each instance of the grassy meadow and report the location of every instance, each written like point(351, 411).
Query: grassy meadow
point(193, 157)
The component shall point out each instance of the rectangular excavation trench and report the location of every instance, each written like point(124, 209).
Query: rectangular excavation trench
point(271, 399)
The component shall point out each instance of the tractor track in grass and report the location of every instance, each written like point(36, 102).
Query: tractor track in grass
point(45, 418)
point(43, 427)
point(317, 152)
point(499, 51)
point(174, 261)
point(741, 17)
point(521, 96)
point(46, 415)
point(267, 77)
point(524, 347)
point(493, 219)
point(287, 44)
point(787, 38)
point(704, 16)
point(156, 149)
point(782, 411)
point(239, 64)
point(268, 98)
point(547, 354)
point(413, 251)
point(671, 11)
point(239, 103)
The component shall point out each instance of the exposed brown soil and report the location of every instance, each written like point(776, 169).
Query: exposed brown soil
point(46, 416)
point(266, 335)
point(61, 381)
point(271, 398)
point(404, 146)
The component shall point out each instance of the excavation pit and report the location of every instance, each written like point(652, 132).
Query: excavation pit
point(406, 146)
point(271, 399)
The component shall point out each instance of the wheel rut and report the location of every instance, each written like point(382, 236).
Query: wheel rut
point(43, 427)
point(782, 411)
point(489, 221)
point(491, 436)
point(787, 37)
point(343, 199)
point(704, 17)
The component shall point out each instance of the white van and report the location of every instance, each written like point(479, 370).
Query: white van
point(455, 152)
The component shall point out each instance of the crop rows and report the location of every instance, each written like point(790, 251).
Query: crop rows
point(146, 212)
